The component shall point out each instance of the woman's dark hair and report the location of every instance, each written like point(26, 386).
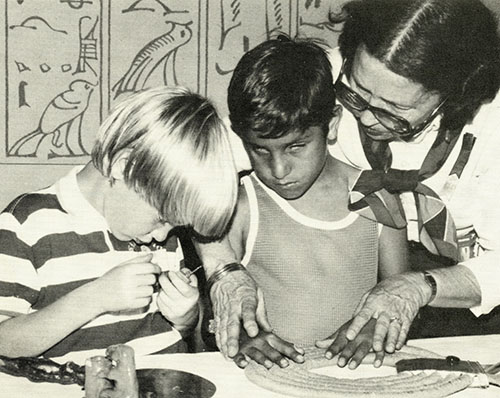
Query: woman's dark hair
point(451, 47)
point(281, 85)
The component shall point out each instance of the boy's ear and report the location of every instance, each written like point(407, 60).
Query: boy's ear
point(334, 123)
point(119, 164)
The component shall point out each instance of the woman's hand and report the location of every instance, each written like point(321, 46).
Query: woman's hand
point(178, 298)
point(394, 302)
point(351, 352)
point(266, 349)
point(237, 299)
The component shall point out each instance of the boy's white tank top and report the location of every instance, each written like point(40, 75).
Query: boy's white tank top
point(312, 272)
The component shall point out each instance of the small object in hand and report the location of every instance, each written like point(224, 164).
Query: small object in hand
point(186, 276)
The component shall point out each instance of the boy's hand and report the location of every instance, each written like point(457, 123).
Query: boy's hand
point(266, 349)
point(178, 298)
point(351, 352)
point(127, 286)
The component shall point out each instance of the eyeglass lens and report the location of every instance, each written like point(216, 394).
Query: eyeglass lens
point(356, 104)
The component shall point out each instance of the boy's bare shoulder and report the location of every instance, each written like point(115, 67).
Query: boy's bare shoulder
point(243, 205)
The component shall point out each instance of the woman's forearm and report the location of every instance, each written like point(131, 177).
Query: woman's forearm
point(214, 255)
point(457, 287)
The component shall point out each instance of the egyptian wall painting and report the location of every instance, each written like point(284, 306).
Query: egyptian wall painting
point(68, 61)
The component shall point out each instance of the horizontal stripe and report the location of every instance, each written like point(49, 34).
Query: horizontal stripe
point(15, 304)
point(19, 291)
point(9, 222)
point(66, 245)
point(150, 344)
point(117, 333)
point(12, 246)
point(48, 222)
point(25, 205)
point(51, 294)
point(123, 316)
point(82, 266)
point(52, 246)
point(9, 314)
point(18, 270)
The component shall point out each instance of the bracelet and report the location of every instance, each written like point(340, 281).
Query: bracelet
point(222, 272)
point(429, 279)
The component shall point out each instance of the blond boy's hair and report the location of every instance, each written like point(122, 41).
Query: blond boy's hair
point(179, 157)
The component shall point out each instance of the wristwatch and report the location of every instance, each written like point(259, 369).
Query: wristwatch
point(429, 279)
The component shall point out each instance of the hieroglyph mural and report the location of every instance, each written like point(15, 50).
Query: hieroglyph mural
point(68, 61)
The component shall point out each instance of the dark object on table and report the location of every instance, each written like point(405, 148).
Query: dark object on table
point(153, 383)
point(168, 383)
point(450, 363)
point(40, 370)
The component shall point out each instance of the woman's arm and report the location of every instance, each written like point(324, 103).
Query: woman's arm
point(236, 297)
point(393, 252)
point(395, 302)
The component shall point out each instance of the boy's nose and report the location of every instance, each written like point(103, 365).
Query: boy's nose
point(279, 167)
point(161, 233)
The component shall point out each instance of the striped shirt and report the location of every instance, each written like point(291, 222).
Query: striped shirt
point(53, 241)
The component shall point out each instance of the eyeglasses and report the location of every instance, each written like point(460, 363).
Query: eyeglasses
point(396, 125)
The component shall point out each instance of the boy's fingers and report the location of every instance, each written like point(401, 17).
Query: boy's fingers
point(324, 343)
point(259, 357)
point(240, 360)
point(181, 283)
point(347, 353)
point(336, 347)
point(187, 276)
point(333, 344)
point(287, 349)
point(144, 291)
point(275, 356)
point(361, 352)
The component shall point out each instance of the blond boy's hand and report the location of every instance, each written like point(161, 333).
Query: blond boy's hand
point(178, 298)
point(127, 286)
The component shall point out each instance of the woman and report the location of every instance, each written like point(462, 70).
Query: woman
point(419, 81)
point(404, 58)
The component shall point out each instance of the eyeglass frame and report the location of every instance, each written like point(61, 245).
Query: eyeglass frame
point(409, 130)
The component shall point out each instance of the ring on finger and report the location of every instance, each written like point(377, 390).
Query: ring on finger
point(396, 319)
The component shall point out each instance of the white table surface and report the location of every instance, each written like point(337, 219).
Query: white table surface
point(231, 381)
